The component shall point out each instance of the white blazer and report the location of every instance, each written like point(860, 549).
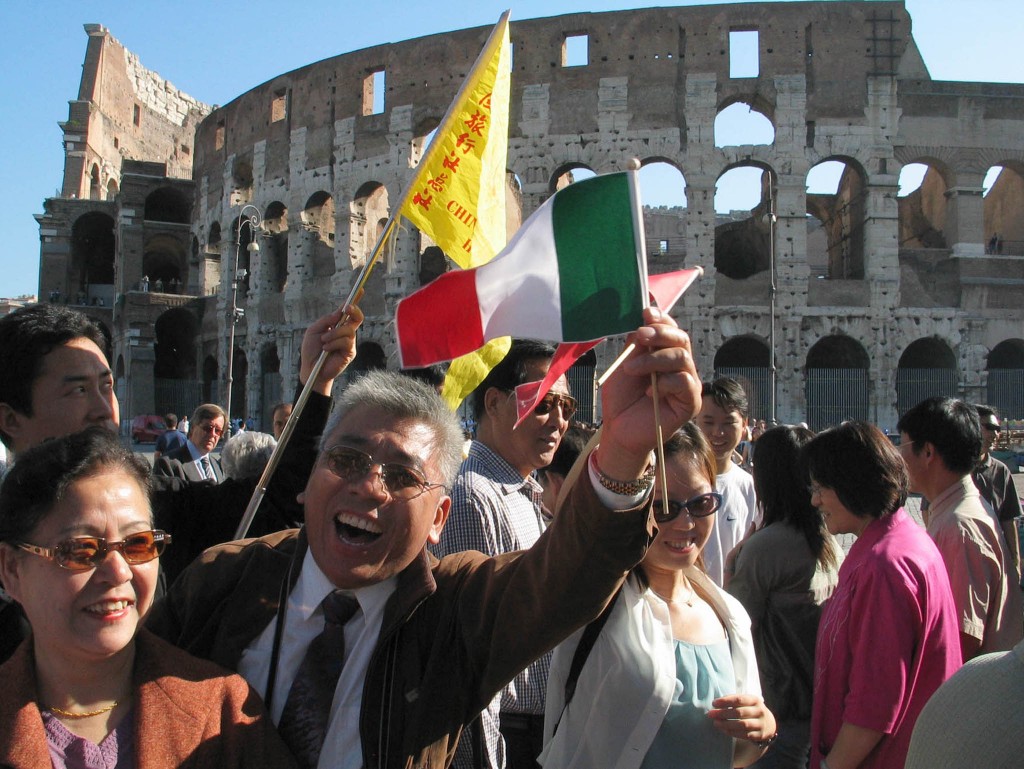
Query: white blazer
point(627, 683)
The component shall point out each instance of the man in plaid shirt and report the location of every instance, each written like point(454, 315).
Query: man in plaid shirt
point(496, 508)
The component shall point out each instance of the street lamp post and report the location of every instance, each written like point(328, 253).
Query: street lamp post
point(237, 276)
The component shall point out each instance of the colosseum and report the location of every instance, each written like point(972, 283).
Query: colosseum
point(854, 302)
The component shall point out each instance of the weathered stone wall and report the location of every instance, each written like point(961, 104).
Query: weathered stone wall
point(872, 276)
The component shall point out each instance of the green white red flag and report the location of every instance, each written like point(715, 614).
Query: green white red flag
point(572, 273)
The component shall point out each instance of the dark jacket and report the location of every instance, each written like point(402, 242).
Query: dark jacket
point(186, 713)
point(454, 631)
point(179, 464)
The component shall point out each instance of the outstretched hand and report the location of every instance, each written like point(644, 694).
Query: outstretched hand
point(628, 434)
point(335, 334)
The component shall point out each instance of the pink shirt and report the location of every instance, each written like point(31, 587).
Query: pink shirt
point(888, 638)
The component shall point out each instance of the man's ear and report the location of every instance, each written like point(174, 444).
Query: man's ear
point(11, 422)
point(444, 506)
point(493, 400)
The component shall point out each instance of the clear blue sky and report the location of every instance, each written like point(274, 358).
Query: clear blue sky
point(215, 50)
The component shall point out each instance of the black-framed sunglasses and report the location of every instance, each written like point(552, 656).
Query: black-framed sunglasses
point(699, 506)
point(399, 481)
point(82, 553)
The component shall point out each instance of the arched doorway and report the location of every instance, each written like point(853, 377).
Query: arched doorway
point(747, 359)
point(926, 368)
point(836, 384)
point(176, 388)
point(1006, 378)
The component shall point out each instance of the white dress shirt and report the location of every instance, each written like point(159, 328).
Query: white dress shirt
point(304, 621)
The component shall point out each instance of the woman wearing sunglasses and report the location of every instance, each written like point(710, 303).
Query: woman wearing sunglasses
point(89, 687)
point(667, 676)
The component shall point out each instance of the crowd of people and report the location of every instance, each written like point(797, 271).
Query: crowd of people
point(549, 595)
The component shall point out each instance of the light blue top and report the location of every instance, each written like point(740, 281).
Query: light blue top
point(687, 738)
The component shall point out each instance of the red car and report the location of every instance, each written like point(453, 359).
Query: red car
point(146, 428)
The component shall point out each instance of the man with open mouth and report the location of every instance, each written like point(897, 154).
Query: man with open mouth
point(425, 643)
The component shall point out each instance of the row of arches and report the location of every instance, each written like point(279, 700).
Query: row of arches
point(837, 382)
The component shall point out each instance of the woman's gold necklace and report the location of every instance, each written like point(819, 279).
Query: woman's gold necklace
point(88, 714)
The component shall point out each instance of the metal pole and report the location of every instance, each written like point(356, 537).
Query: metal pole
point(254, 223)
point(771, 301)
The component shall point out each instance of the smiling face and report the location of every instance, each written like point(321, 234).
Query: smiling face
point(91, 615)
point(531, 445)
point(838, 518)
point(74, 389)
point(680, 541)
point(358, 534)
point(723, 429)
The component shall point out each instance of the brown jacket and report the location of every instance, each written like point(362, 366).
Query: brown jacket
point(454, 631)
point(187, 713)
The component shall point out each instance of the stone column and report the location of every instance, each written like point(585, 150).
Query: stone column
point(965, 217)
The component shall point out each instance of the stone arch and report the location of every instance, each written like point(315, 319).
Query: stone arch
point(922, 208)
point(211, 380)
point(213, 239)
point(742, 243)
point(580, 378)
point(747, 359)
point(167, 204)
point(270, 392)
point(927, 367)
point(567, 173)
point(836, 384)
point(239, 376)
point(1005, 366)
point(175, 384)
point(735, 127)
point(369, 205)
point(163, 260)
point(432, 264)
point(840, 215)
point(112, 188)
point(275, 246)
point(95, 188)
point(92, 255)
point(1004, 210)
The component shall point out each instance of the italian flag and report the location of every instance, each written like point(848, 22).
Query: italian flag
point(572, 273)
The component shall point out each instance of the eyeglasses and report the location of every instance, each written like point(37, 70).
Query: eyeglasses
point(82, 553)
point(700, 506)
point(209, 427)
point(399, 481)
point(546, 404)
point(989, 426)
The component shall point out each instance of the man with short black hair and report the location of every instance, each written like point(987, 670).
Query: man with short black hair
point(496, 508)
point(723, 420)
point(995, 482)
point(172, 438)
point(940, 441)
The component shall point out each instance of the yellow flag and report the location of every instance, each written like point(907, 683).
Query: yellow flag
point(457, 196)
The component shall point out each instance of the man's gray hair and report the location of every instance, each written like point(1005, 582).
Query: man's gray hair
point(402, 397)
point(246, 454)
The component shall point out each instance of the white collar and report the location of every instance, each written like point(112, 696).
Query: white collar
point(312, 587)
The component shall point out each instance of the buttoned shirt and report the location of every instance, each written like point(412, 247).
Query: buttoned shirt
point(197, 460)
point(304, 621)
point(988, 604)
point(495, 510)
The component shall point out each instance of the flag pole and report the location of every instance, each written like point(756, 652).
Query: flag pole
point(261, 487)
point(639, 239)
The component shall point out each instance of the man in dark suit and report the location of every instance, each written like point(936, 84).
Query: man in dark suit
point(195, 461)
